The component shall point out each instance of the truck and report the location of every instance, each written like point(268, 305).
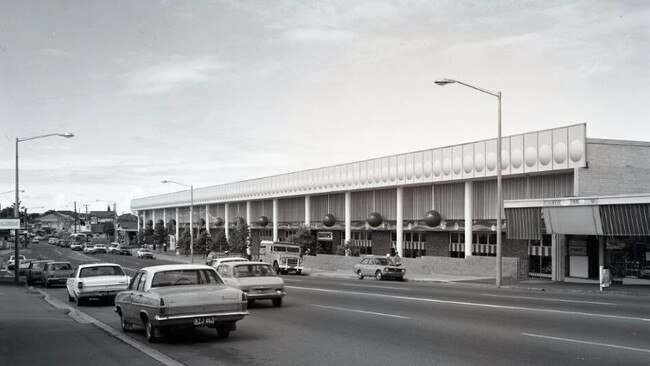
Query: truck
point(285, 257)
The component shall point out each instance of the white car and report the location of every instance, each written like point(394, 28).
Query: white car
point(144, 253)
point(96, 281)
point(257, 279)
point(89, 249)
point(11, 263)
point(53, 241)
point(215, 262)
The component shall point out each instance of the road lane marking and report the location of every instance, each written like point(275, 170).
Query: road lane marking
point(361, 311)
point(474, 304)
point(58, 252)
point(587, 342)
point(551, 299)
point(371, 286)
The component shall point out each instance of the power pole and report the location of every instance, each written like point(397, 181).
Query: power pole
point(75, 217)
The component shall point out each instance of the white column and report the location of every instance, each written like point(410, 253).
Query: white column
point(348, 217)
point(601, 260)
point(557, 257)
point(399, 242)
point(248, 214)
point(138, 213)
point(153, 217)
point(469, 198)
point(307, 210)
point(275, 219)
point(176, 228)
point(226, 219)
point(207, 218)
point(164, 217)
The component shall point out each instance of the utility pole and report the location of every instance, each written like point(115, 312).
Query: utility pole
point(75, 217)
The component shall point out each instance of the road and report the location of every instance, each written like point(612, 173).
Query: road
point(333, 321)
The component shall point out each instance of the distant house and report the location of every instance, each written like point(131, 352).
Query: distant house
point(97, 220)
point(55, 220)
point(127, 228)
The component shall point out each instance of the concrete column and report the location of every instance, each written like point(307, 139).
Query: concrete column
point(248, 214)
point(399, 240)
point(558, 250)
point(307, 210)
point(348, 217)
point(207, 218)
point(275, 219)
point(176, 228)
point(165, 218)
point(138, 213)
point(144, 219)
point(153, 217)
point(469, 198)
point(226, 220)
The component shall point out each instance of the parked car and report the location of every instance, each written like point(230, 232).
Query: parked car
point(11, 263)
point(53, 241)
point(180, 296)
point(35, 271)
point(96, 281)
point(378, 266)
point(76, 246)
point(144, 253)
point(124, 250)
point(100, 248)
point(215, 262)
point(285, 257)
point(89, 249)
point(113, 247)
point(258, 280)
point(24, 266)
point(56, 273)
point(35, 240)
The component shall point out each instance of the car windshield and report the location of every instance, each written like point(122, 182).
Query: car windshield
point(253, 270)
point(60, 266)
point(181, 277)
point(384, 261)
point(101, 271)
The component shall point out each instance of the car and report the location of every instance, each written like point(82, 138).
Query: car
point(100, 248)
point(89, 249)
point(379, 267)
point(53, 241)
point(76, 246)
point(144, 253)
point(24, 266)
point(35, 240)
point(56, 273)
point(167, 297)
point(112, 249)
point(35, 271)
point(215, 262)
point(96, 281)
point(124, 250)
point(11, 263)
point(257, 279)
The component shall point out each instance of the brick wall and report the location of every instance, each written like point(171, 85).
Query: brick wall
point(615, 167)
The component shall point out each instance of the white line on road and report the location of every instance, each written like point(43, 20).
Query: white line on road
point(586, 342)
point(551, 299)
point(361, 311)
point(475, 304)
point(371, 286)
point(58, 252)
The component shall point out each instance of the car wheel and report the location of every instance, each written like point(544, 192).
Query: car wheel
point(45, 284)
point(299, 272)
point(359, 275)
point(150, 331)
point(378, 275)
point(127, 327)
point(277, 302)
point(223, 333)
point(70, 298)
point(80, 301)
point(276, 267)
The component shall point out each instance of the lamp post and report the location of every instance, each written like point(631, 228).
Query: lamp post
point(16, 209)
point(443, 82)
point(191, 187)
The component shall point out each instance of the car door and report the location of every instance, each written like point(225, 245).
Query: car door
point(365, 266)
point(126, 297)
point(71, 282)
point(137, 298)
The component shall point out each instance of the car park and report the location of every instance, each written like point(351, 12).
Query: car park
point(96, 281)
point(11, 263)
point(257, 279)
point(56, 273)
point(35, 271)
point(144, 253)
point(100, 248)
point(167, 297)
point(379, 267)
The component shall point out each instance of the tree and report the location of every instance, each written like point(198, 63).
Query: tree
point(220, 242)
point(148, 233)
point(160, 235)
point(306, 240)
point(238, 239)
point(202, 242)
point(183, 242)
point(108, 229)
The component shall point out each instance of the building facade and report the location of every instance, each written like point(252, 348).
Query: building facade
point(439, 202)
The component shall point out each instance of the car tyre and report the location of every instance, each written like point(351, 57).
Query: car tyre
point(70, 298)
point(126, 326)
point(80, 301)
point(277, 302)
point(299, 272)
point(359, 275)
point(223, 333)
point(379, 276)
point(150, 332)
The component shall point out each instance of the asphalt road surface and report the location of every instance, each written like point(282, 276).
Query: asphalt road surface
point(333, 321)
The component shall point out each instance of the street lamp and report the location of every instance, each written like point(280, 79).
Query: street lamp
point(16, 209)
point(191, 187)
point(443, 82)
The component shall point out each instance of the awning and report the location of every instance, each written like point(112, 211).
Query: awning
point(626, 220)
point(524, 223)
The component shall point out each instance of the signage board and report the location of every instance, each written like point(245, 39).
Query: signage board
point(6, 224)
point(325, 235)
point(577, 248)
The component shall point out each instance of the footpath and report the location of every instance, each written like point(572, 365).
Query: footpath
point(534, 284)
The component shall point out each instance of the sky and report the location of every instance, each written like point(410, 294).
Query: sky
point(210, 92)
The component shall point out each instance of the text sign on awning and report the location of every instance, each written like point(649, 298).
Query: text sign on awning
point(9, 224)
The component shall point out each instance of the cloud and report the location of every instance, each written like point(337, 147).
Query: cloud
point(318, 35)
point(55, 52)
point(165, 76)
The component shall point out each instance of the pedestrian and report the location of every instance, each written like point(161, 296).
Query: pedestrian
point(248, 252)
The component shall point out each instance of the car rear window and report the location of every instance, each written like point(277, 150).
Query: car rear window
point(186, 277)
point(60, 266)
point(253, 270)
point(101, 271)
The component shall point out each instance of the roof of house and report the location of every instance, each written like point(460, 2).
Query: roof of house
point(103, 214)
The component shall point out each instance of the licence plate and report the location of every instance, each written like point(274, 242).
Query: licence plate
point(203, 321)
point(104, 293)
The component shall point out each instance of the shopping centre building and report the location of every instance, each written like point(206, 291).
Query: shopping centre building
point(572, 203)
